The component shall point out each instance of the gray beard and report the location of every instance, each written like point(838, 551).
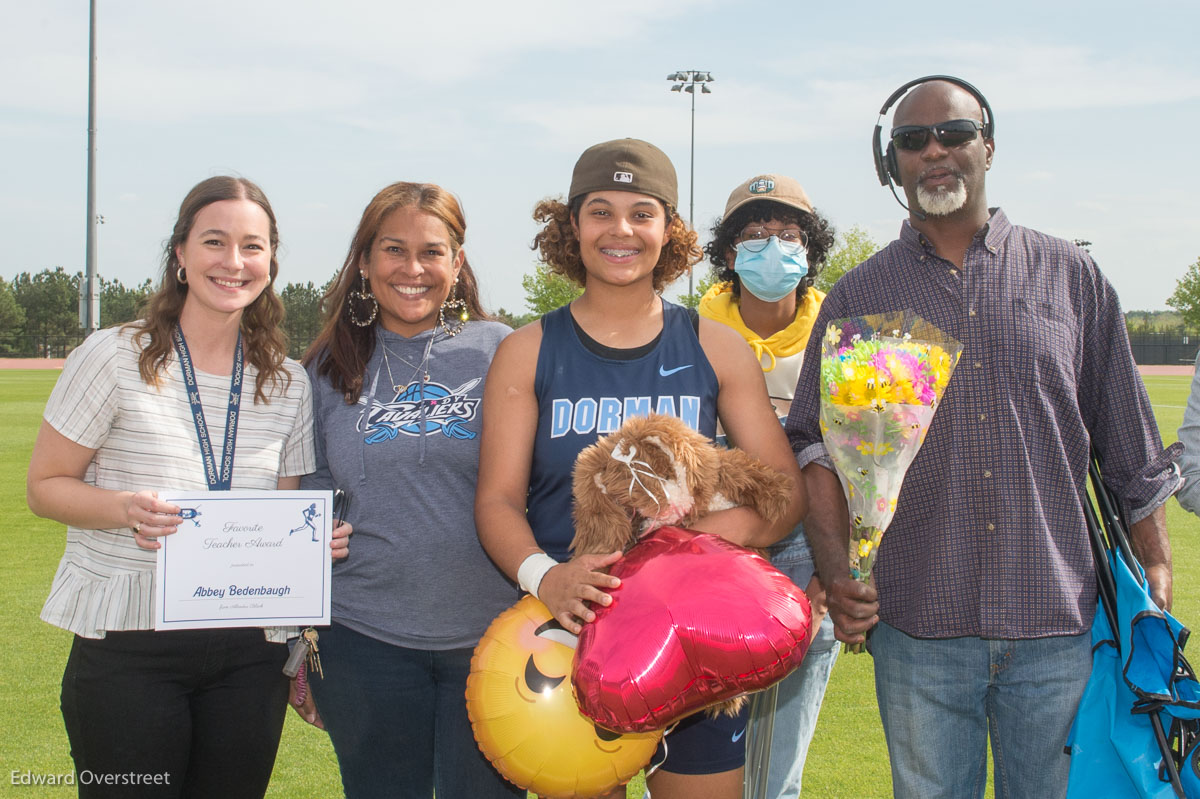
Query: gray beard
point(942, 202)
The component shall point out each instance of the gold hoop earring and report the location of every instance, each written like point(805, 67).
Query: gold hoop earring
point(457, 307)
point(361, 296)
point(181, 276)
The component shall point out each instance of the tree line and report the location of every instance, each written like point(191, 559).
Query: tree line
point(1186, 297)
point(39, 312)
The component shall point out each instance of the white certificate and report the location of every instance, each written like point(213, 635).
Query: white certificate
point(245, 559)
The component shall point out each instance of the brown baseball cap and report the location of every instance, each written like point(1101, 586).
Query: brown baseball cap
point(625, 165)
point(776, 188)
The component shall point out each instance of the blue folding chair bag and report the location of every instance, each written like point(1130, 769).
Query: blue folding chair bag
point(1114, 750)
point(1136, 730)
point(1110, 746)
point(1154, 639)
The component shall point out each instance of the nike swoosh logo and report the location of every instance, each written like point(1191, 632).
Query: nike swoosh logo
point(738, 736)
point(665, 372)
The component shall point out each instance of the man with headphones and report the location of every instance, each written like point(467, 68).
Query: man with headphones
point(983, 595)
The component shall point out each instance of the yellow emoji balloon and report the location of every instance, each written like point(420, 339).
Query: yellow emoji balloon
point(524, 714)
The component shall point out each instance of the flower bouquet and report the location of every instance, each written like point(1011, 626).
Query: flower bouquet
point(882, 378)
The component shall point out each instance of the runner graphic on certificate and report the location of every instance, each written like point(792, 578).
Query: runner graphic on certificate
point(236, 563)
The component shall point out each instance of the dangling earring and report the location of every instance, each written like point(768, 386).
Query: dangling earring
point(181, 276)
point(457, 308)
point(361, 295)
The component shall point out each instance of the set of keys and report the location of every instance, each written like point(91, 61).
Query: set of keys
point(305, 650)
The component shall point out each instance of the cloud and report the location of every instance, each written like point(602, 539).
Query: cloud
point(170, 60)
point(1014, 74)
point(788, 99)
point(739, 112)
point(1041, 77)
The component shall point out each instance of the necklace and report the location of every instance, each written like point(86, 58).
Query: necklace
point(417, 367)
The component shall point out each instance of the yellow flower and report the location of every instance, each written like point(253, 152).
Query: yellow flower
point(864, 548)
point(867, 448)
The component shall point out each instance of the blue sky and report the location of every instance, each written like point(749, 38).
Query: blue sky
point(1097, 112)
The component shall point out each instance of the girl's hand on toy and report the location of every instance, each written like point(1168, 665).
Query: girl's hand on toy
point(567, 588)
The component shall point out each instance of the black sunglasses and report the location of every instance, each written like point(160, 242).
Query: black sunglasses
point(951, 133)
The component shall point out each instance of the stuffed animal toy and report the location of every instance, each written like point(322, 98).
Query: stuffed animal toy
point(697, 623)
point(655, 471)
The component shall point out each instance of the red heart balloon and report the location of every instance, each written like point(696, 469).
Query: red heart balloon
point(696, 620)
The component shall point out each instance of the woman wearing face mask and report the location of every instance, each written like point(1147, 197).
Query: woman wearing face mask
point(620, 237)
point(766, 250)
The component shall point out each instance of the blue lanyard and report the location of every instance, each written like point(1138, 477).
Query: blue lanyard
point(224, 481)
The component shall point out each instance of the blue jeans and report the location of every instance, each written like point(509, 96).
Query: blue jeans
point(941, 698)
point(801, 692)
point(398, 720)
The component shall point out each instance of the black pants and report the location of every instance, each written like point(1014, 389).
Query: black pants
point(190, 713)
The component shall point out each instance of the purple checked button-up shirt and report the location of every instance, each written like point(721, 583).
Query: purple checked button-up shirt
point(989, 537)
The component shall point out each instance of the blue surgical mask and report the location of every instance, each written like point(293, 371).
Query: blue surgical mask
point(771, 270)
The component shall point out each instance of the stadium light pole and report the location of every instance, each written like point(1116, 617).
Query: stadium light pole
point(686, 80)
point(89, 295)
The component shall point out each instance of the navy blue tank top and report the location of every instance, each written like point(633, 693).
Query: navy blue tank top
point(583, 395)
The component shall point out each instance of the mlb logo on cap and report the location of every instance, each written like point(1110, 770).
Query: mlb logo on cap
point(625, 165)
point(762, 186)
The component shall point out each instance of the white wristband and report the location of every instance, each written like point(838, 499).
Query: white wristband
point(532, 570)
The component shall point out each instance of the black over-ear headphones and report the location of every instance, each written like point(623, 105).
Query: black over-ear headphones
point(885, 160)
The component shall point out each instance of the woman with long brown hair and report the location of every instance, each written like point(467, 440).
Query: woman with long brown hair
point(398, 374)
point(188, 712)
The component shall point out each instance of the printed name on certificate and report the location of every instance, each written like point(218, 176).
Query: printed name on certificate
point(245, 559)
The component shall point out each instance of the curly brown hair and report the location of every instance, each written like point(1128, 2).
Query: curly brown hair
point(342, 348)
point(559, 247)
point(263, 340)
point(817, 230)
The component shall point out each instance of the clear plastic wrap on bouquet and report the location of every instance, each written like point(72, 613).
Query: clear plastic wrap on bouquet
point(872, 450)
point(882, 379)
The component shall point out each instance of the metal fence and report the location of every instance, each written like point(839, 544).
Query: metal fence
point(61, 346)
point(1164, 348)
point(38, 346)
point(1148, 348)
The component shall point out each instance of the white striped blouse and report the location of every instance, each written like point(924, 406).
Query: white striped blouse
point(145, 438)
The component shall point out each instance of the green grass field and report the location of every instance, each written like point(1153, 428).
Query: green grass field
point(847, 759)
